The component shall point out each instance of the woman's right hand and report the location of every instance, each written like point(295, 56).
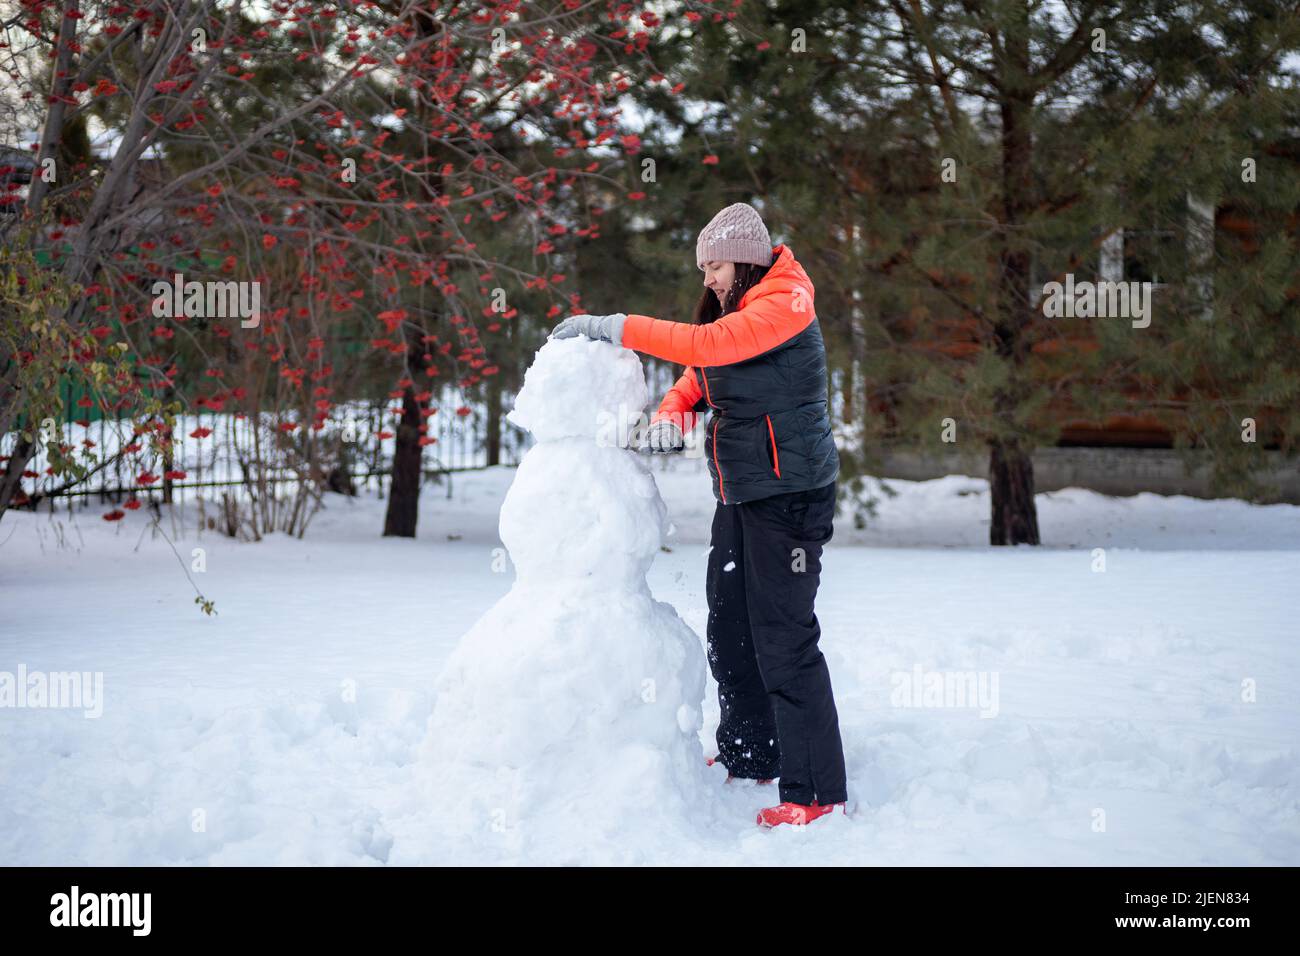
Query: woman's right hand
point(663, 437)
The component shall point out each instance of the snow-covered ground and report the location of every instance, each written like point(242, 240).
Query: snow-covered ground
point(1144, 714)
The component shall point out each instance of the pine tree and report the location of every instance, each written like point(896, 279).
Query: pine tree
point(939, 166)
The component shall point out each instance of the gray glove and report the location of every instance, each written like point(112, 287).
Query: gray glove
point(663, 437)
point(602, 328)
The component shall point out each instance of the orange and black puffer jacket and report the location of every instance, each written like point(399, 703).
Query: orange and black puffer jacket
point(761, 372)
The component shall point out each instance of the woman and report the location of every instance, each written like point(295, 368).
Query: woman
point(756, 360)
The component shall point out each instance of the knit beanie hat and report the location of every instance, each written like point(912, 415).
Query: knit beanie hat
point(736, 234)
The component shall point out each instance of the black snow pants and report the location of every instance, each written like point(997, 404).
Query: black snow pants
point(774, 689)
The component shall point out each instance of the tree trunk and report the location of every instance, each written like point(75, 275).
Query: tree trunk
point(404, 489)
point(13, 474)
point(1011, 481)
point(494, 420)
point(1011, 471)
point(62, 77)
point(168, 464)
point(404, 485)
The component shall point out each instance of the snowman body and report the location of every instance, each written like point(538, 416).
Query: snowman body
point(575, 701)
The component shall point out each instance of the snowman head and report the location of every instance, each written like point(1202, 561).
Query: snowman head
point(580, 388)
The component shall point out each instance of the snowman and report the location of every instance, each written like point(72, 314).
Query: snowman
point(572, 708)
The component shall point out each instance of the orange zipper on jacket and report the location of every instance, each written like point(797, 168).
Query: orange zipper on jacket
point(721, 491)
point(776, 461)
point(715, 434)
point(706, 387)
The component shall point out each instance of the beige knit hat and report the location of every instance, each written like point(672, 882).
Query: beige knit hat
point(736, 234)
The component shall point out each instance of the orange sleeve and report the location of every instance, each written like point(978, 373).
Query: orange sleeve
point(679, 402)
point(760, 326)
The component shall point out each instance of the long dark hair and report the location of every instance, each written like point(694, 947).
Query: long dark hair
point(709, 309)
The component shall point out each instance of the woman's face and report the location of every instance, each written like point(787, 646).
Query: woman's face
point(718, 277)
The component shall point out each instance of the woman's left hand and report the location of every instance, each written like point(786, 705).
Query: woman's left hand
point(601, 328)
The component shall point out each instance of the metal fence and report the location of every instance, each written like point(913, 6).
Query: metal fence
point(216, 450)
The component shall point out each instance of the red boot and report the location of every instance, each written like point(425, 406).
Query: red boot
point(712, 760)
point(795, 814)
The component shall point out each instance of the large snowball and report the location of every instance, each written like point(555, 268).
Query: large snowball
point(583, 515)
point(578, 387)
